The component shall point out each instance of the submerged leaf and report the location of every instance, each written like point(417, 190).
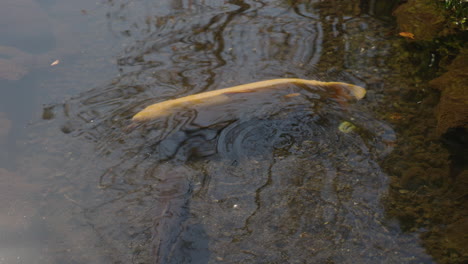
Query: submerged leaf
point(406, 35)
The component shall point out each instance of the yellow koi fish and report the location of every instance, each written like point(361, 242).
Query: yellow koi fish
point(217, 97)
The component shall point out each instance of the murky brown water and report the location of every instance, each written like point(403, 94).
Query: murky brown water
point(276, 184)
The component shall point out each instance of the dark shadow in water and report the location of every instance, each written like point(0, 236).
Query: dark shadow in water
point(456, 141)
point(381, 9)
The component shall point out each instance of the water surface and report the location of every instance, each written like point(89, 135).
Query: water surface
point(276, 184)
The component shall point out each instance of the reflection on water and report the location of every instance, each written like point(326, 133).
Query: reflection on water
point(279, 184)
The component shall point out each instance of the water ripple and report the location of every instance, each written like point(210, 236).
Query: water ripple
point(272, 180)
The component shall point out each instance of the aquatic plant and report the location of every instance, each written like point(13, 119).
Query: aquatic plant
point(458, 12)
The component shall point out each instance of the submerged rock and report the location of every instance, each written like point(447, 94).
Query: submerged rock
point(452, 110)
point(422, 18)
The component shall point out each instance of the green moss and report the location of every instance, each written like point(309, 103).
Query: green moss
point(457, 12)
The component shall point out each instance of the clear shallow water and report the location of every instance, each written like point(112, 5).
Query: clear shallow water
point(280, 184)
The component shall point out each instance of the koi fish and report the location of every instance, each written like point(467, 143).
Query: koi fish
point(217, 97)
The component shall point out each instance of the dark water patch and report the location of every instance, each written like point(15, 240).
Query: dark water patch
point(456, 141)
point(380, 9)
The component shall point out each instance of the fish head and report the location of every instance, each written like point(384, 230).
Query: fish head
point(348, 91)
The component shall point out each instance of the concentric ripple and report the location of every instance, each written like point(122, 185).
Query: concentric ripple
point(269, 181)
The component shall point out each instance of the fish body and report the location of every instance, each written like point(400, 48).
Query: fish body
point(221, 96)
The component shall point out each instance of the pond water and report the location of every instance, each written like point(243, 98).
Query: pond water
point(277, 183)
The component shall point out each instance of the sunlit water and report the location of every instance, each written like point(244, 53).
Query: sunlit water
point(277, 182)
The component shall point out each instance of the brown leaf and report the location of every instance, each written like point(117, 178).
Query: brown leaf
point(406, 35)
